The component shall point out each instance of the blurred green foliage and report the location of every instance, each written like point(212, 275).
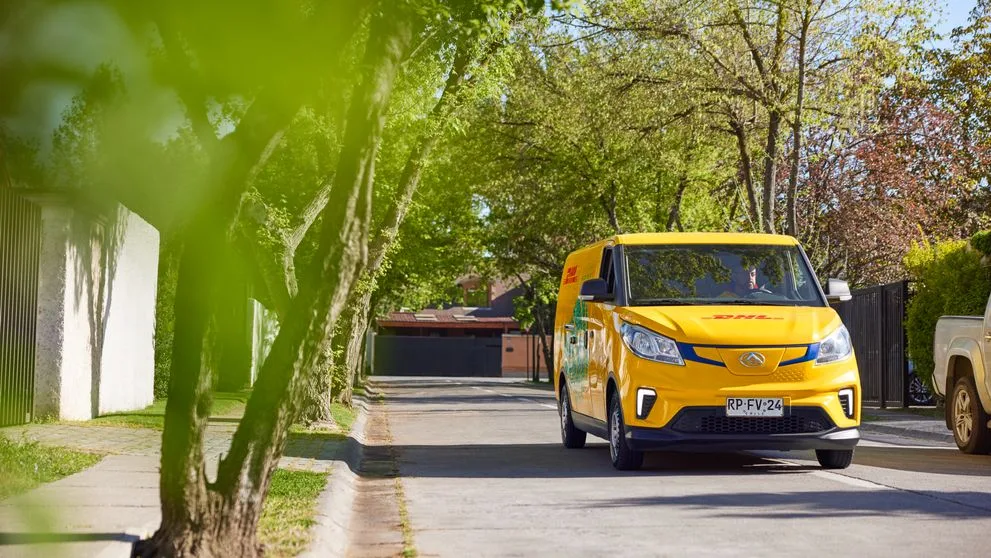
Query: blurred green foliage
point(981, 241)
point(168, 274)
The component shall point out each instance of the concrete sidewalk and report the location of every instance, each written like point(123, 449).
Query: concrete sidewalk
point(101, 511)
point(906, 423)
point(98, 512)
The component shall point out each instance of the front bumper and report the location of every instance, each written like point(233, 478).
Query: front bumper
point(708, 429)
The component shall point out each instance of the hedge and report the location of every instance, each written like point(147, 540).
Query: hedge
point(168, 272)
point(949, 278)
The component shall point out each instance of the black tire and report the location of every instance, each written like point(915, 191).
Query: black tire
point(571, 436)
point(969, 421)
point(834, 459)
point(623, 457)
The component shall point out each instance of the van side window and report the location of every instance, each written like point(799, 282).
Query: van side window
point(607, 271)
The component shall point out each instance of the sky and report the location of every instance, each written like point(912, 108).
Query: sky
point(955, 14)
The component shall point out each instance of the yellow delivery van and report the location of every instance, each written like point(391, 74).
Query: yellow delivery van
point(703, 342)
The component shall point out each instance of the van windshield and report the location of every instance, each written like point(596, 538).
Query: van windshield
point(724, 274)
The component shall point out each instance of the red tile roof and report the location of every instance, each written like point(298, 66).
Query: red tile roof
point(452, 317)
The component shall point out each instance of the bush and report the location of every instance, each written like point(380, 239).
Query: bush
point(168, 272)
point(982, 242)
point(950, 278)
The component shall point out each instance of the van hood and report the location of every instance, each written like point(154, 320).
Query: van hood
point(736, 325)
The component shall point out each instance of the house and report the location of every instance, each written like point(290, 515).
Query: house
point(77, 307)
point(477, 337)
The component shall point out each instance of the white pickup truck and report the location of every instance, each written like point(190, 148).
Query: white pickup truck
point(962, 353)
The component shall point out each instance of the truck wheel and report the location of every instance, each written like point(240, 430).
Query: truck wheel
point(834, 459)
point(970, 422)
point(623, 457)
point(571, 437)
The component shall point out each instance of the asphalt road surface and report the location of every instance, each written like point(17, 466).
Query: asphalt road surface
point(485, 474)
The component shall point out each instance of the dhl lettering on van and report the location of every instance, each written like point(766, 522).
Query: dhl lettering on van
point(742, 317)
point(649, 352)
point(571, 275)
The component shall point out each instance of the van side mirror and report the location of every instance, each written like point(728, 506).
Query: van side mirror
point(837, 290)
point(595, 290)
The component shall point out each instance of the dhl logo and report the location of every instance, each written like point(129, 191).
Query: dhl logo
point(741, 317)
point(571, 276)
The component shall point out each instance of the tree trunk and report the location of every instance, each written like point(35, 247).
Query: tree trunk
point(316, 409)
point(746, 167)
point(609, 206)
point(353, 341)
point(770, 169)
point(183, 489)
point(352, 331)
point(540, 321)
point(797, 127)
point(674, 218)
point(220, 519)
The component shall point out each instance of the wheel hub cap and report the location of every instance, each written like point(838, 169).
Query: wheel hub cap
point(614, 434)
point(564, 412)
point(963, 418)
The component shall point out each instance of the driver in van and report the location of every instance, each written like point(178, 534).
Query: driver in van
point(743, 282)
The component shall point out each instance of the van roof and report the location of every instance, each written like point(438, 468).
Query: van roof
point(646, 239)
point(704, 238)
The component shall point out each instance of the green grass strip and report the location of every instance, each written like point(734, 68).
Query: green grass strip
point(25, 465)
point(289, 511)
point(225, 405)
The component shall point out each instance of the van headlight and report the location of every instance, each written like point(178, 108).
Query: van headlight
point(836, 347)
point(651, 346)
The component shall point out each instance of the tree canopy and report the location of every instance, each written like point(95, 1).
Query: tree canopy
point(336, 160)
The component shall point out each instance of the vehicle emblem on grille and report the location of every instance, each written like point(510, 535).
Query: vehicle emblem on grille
point(752, 360)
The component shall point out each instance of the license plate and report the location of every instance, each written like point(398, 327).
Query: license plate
point(755, 407)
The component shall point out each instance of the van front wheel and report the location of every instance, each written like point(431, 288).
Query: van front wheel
point(834, 459)
point(623, 457)
point(571, 436)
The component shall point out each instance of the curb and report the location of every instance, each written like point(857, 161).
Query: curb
point(335, 506)
point(907, 432)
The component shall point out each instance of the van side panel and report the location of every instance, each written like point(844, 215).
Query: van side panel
point(571, 346)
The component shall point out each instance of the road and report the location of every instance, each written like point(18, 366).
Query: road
point(484, 474)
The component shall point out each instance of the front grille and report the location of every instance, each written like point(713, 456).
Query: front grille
point(786, 376)
point(713, 420)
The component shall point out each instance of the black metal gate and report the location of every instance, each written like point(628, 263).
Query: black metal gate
point(401, 355)
point(876, 320)
point(20, 245)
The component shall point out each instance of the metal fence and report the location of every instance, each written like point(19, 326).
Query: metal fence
point(876, 320)
point(20, 245)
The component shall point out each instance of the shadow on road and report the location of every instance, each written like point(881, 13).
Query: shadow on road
point(817, 504)
point(554, 461)
point(7, 539)
point(417, 382)
point(924, 460)
point(468, 399)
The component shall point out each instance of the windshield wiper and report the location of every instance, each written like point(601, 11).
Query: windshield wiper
point(751, 302)
point(664, 302)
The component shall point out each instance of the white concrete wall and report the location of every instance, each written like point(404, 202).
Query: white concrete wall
point(264, 329)
point(49, 354)
point(127, 365)
point(81, 306)
point(96, 314)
